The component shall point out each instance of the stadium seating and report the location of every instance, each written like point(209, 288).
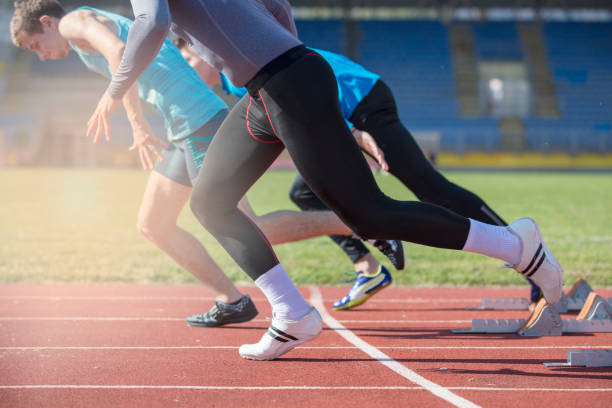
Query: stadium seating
point(324, 34)
point(414, 58)
point(497, 41)
point(580, 56)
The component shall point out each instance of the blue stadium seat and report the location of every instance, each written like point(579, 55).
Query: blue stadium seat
point(580, 56)
point(323, 34)
point(497, 41)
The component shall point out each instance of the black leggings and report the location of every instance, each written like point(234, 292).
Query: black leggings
point(304, 198)
point(293, 102)
point(377, 115)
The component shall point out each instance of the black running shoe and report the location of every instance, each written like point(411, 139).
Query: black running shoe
point(394, 250)
point(225, 313)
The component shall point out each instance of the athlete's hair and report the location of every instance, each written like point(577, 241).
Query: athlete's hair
point(26, 17)
point(179, 42)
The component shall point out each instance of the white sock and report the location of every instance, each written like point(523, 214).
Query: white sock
point(494, 241)
point(286, 301)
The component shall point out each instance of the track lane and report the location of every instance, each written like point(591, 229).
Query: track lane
point(406, 325)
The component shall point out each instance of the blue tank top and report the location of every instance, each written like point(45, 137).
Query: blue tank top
point(230, 89)
point(354, 82)
point(169, 84)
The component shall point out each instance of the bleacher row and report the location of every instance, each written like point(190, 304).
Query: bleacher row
point(414, 58)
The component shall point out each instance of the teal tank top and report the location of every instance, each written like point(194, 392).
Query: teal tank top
point(169, 84)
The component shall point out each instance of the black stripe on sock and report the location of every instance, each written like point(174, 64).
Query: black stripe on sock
point(275, 337)
point(532, 260)
point(538, 265)
point(274, 329)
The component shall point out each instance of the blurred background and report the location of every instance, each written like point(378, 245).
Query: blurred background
point(511, 85)
point(481, 83)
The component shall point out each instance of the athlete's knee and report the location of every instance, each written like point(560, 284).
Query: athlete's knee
point(207, 209)
point(295, 195)
point(151, 228)
point(201, 208)
point(364, 223)
point(365, 228)
point(302, 196)
point(429, 185)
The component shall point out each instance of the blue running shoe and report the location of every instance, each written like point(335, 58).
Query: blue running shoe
point(363, 288)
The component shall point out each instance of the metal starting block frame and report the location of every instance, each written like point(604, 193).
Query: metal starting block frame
point(585, 358)
point(493, 326)
point(488, 303)
point(573, 300)
point(595, 317)
point(575, 297)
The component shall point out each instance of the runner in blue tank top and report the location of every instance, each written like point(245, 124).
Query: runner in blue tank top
point(172, 87)
point(192, 114)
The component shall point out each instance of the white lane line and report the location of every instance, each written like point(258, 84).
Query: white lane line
point(182, 319)
point(35, 348)
point(533, 389)
point(204, 387)
point(209, 298)
point(102, 319)
point(380, 321)
point(280, 388)
point(439, 391)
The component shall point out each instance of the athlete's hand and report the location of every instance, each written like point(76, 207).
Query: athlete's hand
point(147, 144)
point(99, 121)
point(368, 145)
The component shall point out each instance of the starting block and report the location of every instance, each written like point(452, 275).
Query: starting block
point(585, 358)
point(493, 326)
point(501, 304)
point(544, 321)
point(573, 300)
point(594, 317)
point(575, 297)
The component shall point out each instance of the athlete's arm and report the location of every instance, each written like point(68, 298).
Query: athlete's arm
point(151, 25)
point(369, 145)
point(87, 31)
point(144, 41)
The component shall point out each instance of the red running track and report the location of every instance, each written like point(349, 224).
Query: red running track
point(129, 346)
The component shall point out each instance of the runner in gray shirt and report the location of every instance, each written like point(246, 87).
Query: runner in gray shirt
point(293, 104)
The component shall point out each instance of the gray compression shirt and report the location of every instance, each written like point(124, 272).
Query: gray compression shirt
point(237, 37)
point(281, 10)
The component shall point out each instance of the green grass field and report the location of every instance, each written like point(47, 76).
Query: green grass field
point(67, 225)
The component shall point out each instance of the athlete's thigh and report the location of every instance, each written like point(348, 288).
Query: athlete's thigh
point(173, 164)
point(195, 146)
point(303, 106)
point(377, 115)
point(400, 148)
point(329, 160)
point(163, 200)
point(234, 160)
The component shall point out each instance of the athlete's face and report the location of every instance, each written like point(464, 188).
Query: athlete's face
point(48, 45)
